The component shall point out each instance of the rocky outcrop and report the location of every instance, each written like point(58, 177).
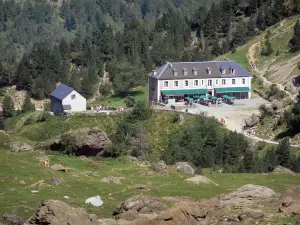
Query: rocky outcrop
point(198, 179)
point(12, 219)
point(252, 120)
point(114, 180)
point(184, 167)
point(20, 147)
point(57, 180)
point(56, 212)
point(59, 167)
point(140, 203)
point(290, 201)
point(83, 142)
point(283, 170)
point(160, 167)
point(247, 196)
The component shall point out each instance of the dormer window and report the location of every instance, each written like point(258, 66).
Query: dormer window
point(154, 72)
point(223, 71)
point(184, 71)
point(175, 72)
point(208, 70)
point(232, 70)
point(195, 71)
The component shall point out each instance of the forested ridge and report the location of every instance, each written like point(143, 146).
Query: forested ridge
point(45, 42)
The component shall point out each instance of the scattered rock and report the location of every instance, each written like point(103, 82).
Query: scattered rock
point(132, 159)
point(250, 216)
point(283, 170)
point(95, 201)
point(128, 215)
point(146, 174)
point(247, 196)
point(84, 141)
point(290, 201)
point(59, 167)
point(56, 212)
point(57, 180)
point(184, 167)
point(20, 147)
point(141, 203)
point(35, 191)
point(161, 167)
point(42, 159)
point(22, 182)
point(115, 180)
point(252, 120)
point(138, 186)
point(12, 219)
point(198, 179)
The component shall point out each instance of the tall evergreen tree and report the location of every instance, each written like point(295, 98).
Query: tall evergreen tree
point(283, 152)
point(8, 107)
point(28, 106)
point(295, 41)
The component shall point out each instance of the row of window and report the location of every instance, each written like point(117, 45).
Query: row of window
point(196, 82)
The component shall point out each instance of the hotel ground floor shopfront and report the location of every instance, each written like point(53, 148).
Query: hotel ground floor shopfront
point(181, 94)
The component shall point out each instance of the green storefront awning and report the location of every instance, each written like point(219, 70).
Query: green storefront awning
point(184, 92)
point(232, 89)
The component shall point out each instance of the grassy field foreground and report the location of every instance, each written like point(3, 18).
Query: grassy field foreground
point(84, 181)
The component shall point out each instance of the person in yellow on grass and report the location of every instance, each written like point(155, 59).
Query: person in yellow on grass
point(46, 163)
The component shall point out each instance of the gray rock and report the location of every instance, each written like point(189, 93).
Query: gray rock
point(59, 167)
point(22, 182)
point(114, 180)
point(12, 219)
point(252, 121)
point(250, 216)
point(184, 167)
point(42, 159)
point(57, 180)
point(161, 167)
point(20, 147)
point(283, 170)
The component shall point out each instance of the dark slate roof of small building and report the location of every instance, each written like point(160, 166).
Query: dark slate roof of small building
point(61, 91)
point(165, 72)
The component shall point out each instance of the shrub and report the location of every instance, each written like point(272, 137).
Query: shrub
point(130, 101)
point(105, 89)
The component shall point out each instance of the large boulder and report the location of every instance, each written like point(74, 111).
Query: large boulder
point(283, 170)
point(12, 219)
point(56, 212)
point(290, 201)
point(59, 167)
point(83, 142)
point(114, 180)
point(184, 167)
point(198, 179)
point(247, 196)
point(140, 203)
point(161, 167)
point(20, 147)
point(252, 120)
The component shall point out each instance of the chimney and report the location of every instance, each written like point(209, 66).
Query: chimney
point(184, 71)
point(154, 72)
point(208, 70)
point(195, 71)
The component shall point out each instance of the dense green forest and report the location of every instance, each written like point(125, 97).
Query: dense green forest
point(45, 42)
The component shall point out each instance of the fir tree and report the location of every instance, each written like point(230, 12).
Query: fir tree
point(28, 106)
point(8, 107)
point(295, 41)
point(283, 152)
point(248, 161)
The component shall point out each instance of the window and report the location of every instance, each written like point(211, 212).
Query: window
point(73, 96)
point(223, 82)
point(176, 83)
point(166, 84)
point(233, 81)
point(243, 81)
point(186, 83)
point(196, 83)
point(209, 82)
point(202, 82)
point(184, 71)
point(217, 81)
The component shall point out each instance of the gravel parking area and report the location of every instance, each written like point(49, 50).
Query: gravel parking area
point(234, 115)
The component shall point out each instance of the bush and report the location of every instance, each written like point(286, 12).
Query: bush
point(130, 101)
point(105, 89)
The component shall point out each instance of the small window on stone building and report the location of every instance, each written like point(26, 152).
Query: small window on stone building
point(73, 96)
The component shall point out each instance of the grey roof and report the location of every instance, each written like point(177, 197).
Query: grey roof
point(165, 72)
point(61, 91)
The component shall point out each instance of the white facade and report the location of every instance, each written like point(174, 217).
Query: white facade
point(76, 101)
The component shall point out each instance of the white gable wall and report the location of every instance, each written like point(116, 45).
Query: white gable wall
point(77, 104)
